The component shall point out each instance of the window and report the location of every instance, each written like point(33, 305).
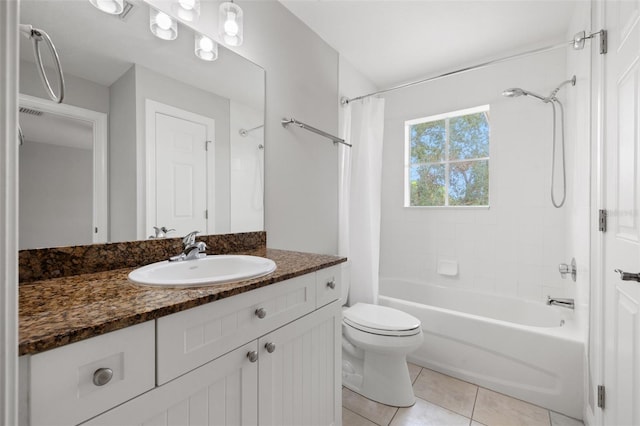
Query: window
point(447, 159)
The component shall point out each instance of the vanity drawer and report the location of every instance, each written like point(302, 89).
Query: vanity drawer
point(63, 380)
point(191, 338)
point(328, 285)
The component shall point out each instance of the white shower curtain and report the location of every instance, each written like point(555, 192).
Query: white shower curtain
point(359, 197)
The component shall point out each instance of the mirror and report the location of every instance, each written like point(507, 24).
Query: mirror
point(148, 134)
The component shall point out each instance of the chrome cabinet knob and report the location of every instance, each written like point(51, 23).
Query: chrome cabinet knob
point(270, 347)
point(252, 355)
point(332, 284)
point(261, 313)
point(102, 376)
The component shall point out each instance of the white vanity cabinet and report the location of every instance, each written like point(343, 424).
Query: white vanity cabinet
point(299, 377)
point(75, 382)
point(221, 392)
point(269, 356)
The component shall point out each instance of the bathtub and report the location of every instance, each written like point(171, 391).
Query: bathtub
point(524, 349)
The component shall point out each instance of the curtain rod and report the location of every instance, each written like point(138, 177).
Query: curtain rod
point(576, 43)
point(286, 121)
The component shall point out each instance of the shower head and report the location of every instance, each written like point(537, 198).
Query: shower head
point(516, 91)
point(513, 92)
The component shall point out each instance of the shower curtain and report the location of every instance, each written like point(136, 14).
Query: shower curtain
point(359, 197)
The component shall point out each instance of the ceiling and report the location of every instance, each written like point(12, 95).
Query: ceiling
point(395, 41)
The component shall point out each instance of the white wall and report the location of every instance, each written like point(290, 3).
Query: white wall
point(247, 169)
point(301, 171)
point(352, 83)
point(122, 158)
point(127, 140)
point(56, 203)
point(514, 247)
point(157, 87)
point(78, 91)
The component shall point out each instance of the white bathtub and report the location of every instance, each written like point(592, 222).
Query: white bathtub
point(505, 344)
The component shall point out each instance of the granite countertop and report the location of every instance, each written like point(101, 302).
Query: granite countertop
point(59, 311)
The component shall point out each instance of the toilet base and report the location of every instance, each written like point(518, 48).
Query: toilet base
point(382, 378)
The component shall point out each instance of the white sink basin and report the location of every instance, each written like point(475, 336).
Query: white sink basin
point(210, 270)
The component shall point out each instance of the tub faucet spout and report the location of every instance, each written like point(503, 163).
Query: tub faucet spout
point(564, 303)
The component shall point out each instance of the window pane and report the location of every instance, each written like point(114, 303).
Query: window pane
point(469, 183)
point(427, 185)
point(427, 142)
point(469, 136)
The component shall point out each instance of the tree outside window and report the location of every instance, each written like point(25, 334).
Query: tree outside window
point(447, 159)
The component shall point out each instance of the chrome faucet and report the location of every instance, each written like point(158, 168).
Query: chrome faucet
point(191, 249)
point(564, 303)
point(160, 232)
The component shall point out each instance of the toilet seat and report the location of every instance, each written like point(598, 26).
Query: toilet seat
point(382, 320)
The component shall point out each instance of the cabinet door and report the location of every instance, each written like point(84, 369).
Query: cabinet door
point(189, 339)
point(221, 392)
point(299, 371)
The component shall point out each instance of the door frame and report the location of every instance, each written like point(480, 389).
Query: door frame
point(99, 123)
point(148, 176)
point(9, 68)
point(598, 160)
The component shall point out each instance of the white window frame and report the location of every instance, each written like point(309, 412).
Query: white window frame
point(446, 162)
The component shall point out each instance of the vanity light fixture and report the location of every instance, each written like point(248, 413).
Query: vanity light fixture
point(162, 25)
point(188, 10)
point(205, 48)
point(112, 7)
point(230, 23)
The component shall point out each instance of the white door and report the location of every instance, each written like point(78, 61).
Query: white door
point(180, 179)
point(299, 371)
point(622, 198)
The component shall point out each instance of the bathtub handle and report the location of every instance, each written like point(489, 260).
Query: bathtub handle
point(628, 276)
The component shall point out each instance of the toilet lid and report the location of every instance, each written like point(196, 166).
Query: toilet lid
point(381, 320)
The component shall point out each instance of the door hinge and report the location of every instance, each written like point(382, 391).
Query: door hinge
point(601, 396)
point(602, 220)
point(206, 214)
point(206, 145)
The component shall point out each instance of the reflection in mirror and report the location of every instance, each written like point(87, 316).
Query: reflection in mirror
point(185, 139)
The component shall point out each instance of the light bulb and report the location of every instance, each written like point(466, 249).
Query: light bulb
point(206, 44)
point(230, 25)
point(163, 20)
point(187, 4)
point(162, 25)
point(112, 7)
point(187, 10)
point(205, 48)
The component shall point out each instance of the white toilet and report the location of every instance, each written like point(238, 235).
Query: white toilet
point(375, 343)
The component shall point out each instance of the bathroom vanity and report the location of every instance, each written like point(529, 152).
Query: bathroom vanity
point(99, 350)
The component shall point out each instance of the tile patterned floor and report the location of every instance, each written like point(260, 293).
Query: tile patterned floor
point(445, 401)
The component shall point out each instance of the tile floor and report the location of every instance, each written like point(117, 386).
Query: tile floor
point(443, 400)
